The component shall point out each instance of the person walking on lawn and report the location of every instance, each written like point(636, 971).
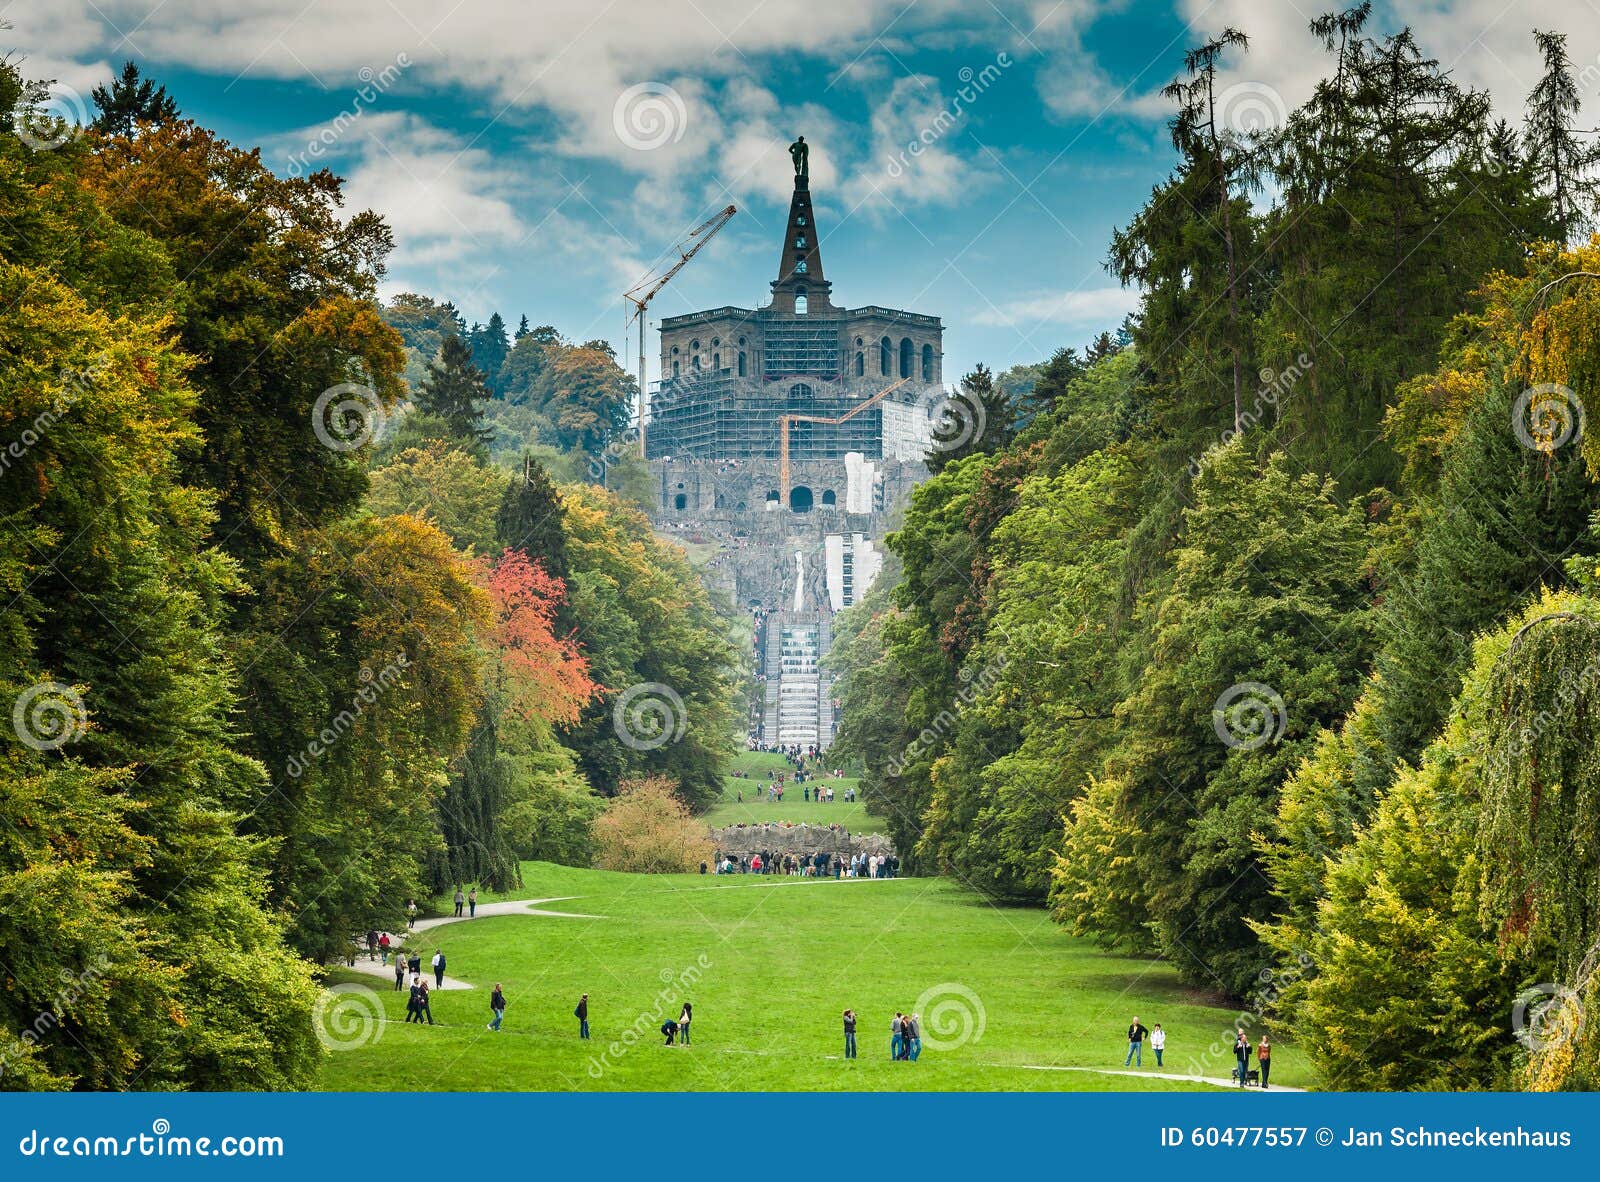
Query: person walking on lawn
point(896, 1035)
point(849, 1034)
point(1136, 1035)
point(1264, 1058)
point(472, 903)
point(1241, 1053)
point(460, 902)
point(1158, 1042)
point(438, 969)
point(399, 971)
point(684, 1018)
point(497, 1006)
point(581, 1013)
point(413, 1003)
point(424, 1010)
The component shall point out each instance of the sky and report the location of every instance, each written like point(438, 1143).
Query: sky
point(970, 159)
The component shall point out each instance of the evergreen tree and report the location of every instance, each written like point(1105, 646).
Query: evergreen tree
point(130, 101)
point(489, 348)
point(1563, 163)
point(522, 329)
point(453, 392)
point(978, 419)
point(1058, 373)
point(530, 519)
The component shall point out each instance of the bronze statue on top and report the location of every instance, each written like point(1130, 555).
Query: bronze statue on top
point(800, 153)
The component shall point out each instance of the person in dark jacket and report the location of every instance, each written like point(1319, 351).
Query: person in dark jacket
point(424, 1010)
point(1136, 1036)
point(399, 972)
point(849, 1034)
point(414, 1004)
point(438, 969)
point(414, 963)
point(1264, 1058)
point(1241, 1053)
point(581, 1013)
point(497, 1006)
point(669, 1028)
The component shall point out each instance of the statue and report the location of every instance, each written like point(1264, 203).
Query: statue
point(800, 153)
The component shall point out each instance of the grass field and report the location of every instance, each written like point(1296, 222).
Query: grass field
point(755, 809)
point(769, 964)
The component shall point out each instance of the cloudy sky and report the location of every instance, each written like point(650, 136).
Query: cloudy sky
point(538, 156)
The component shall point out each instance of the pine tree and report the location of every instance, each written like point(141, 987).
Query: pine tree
point(530, 519)
point(977, 420)
point(1564, 162)
point(130, 101)
point(522, 329)
point(454, 391)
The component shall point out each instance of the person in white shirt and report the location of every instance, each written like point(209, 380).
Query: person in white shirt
point(1158, 1042)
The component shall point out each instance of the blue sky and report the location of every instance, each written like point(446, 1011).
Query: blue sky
point(538, 157)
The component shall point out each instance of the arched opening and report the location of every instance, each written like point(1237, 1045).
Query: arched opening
point(739, 508)
point(829, 499)
point(674, 369)
point(741, 363)
point(694, 363)
point(800, 392)
point(716, 363)
point(861, 363)
point(799, 301)
point(800, 499)
point(680, 502)
point(927, 363)
point(905, 357)
point(885, 356)
point(718, 501)
point(772, 499)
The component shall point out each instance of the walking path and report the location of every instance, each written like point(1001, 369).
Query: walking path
point(485, 910)
point(1207, 1079)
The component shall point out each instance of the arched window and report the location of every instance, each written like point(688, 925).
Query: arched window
point(829, 498)
point(861, 364)
point(741, 363)
point(799, 392)
point(694, 363)
point(716, 362)
point(800, 267)
point(799, 301)
point(927, 363)
point(680, 502)
point(800, 499)
point(716, 342)
point(800, 242)
point(694, 346)
point(885, 356)
point(674, 369)
point(906, 354)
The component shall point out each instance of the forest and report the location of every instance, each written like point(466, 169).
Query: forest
point(288, 643)
point(1264, 635)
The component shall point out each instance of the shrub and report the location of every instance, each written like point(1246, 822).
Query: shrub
point(647, 829)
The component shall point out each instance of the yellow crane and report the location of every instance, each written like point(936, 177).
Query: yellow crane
point(783, 432)
point(641, 293)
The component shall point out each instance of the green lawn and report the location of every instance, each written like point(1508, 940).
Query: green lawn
point(769, 964)
point(755, 808)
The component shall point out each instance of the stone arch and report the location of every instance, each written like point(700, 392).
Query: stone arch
point(801, 499)
point(927, 363)
point(861, 363)
point(799, 301)
point(741, 363)
point(680, 502)
point(829, 498)
point(906, 352)
point(885, 356)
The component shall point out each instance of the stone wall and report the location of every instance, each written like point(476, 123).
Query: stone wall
point(798, 839)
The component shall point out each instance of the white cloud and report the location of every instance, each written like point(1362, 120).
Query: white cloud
point(1102, 307)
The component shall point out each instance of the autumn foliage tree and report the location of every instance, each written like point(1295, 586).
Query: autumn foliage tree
point(648, 830)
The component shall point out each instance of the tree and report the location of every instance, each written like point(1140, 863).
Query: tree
point(529, 519)
point(130, 101)
point(581, 392)
point(490, 345)
point(522, 329)
point(444, 485)
point(646, 829)
point(977, 419)
point(1563, 163)
point(453, 392)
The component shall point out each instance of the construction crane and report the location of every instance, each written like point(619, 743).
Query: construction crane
point(783, 432)
point(641, 293)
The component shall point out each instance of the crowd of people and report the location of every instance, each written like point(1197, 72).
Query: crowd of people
point(818, 865)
